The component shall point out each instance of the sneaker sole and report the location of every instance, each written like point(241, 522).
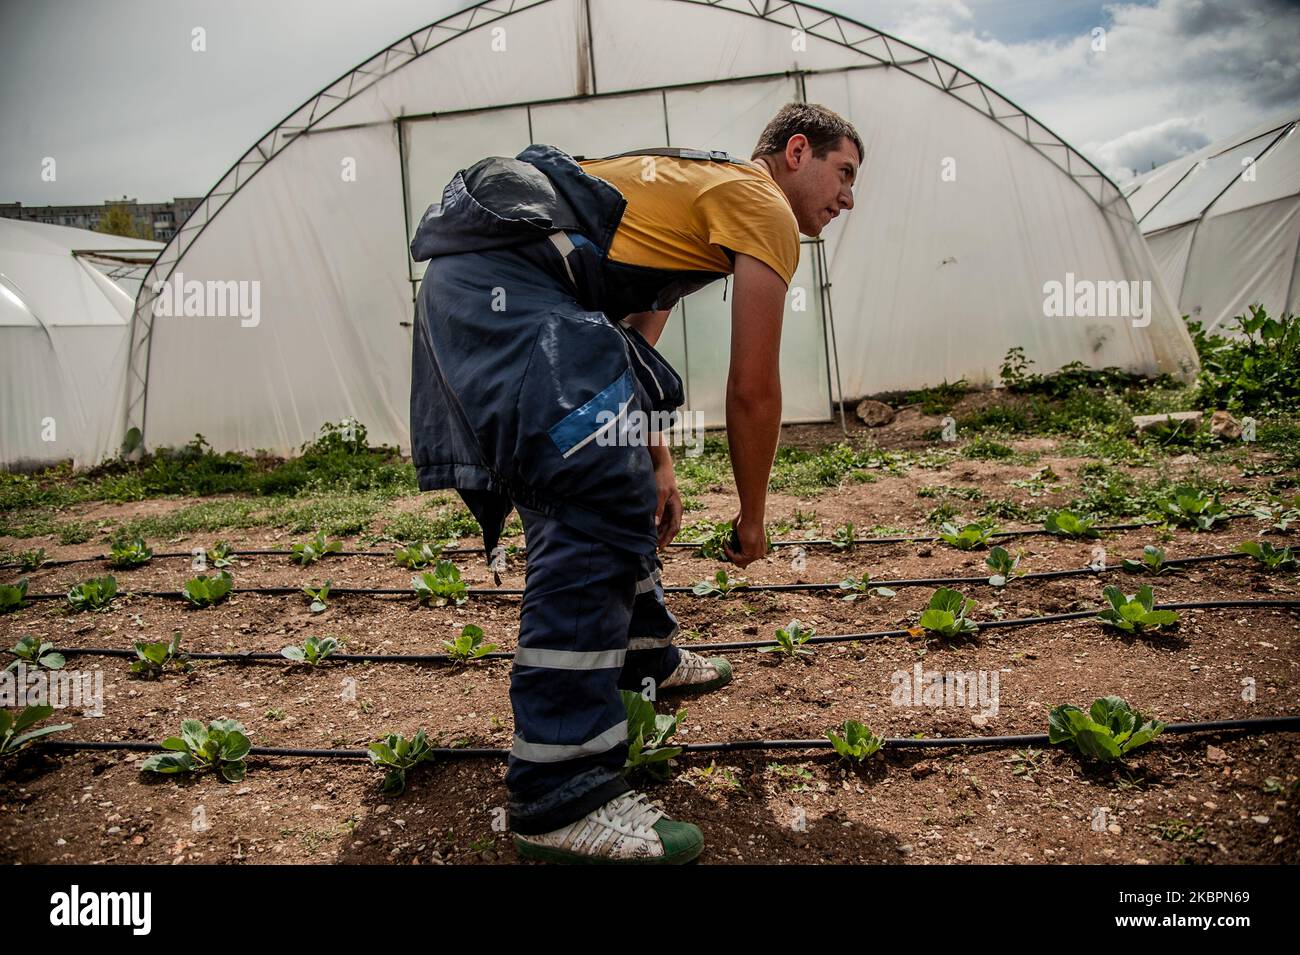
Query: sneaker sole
point(687, 688)
point(552, 854)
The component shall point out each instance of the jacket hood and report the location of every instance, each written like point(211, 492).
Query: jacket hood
point(499, 202)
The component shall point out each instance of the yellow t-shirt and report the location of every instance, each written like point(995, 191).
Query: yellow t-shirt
point(682, 213)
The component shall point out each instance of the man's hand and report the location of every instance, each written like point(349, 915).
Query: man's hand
point(668, 511)
point(753, 542)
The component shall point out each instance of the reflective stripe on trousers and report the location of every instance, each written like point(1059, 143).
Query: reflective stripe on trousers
point(592, 622)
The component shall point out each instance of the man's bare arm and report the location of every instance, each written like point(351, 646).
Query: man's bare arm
point(649, 324)
point(754, 393)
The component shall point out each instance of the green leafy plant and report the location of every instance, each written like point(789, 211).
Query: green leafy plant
point(648, 733)
point(945, 615)
point(204, 591)
point(1152, 562)
point(313, 550)
point(469, 645)
point(314, 650)
point(790, 640)
point(1107, 732)
point(30, 560)
point(220, 555)
point(319, 596)
point(36, 652)
point(417, 556)
point(1273, 558)
point(719, 586)
point(1281, 512)
point(859, 587)
point(843, 537)
point(221, 745)
point(855, 741)
point(132, 553)
point(12, 596)
point(968, 536)
point(16, 732)
point(398, 755)
point(1069, 524)
point(93, 594)
point(1253, 372)
point(153, 657)
point(717, 536)
point(441, 586)
point(1133, 613)
point(1190, 508)
point(1002, 564)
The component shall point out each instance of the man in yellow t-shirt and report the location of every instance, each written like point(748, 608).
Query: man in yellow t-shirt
point(549, 282)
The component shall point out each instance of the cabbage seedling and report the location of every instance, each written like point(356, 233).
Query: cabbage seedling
point(314, 650)
point(31, 559)
point(152, 657)
point(36, 652)
point(220, 555)
point(417, 555)
point(398, 754)
point(314, 549)
point(1133, 613)
point(1109, 730)
point(1152, 562)
point(843, 538)
point(790, 640)
point(855, 741)
point(129, 554)
point(1271, 557)
point(319, 596)
point(1002, 564)
point(469, 645)
point(1069, 524)
point(204, 591)
point(968, 536)
point(648, 733)
point(1191, 508)
point(12, 735)
point(861, 587)
point(441, 586)
point(719, 586)
point(946, 615)
point(12, 595)
point(221, 745)
point(94, 594)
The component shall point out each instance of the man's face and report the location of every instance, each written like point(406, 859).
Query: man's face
point(819, 189)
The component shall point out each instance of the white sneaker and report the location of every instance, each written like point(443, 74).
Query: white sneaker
point(623, 830)
point(697, 674)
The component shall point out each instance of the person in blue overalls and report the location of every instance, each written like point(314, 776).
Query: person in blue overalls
point(549, 282)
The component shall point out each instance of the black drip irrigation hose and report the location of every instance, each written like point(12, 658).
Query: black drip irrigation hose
point(906, 539)
point(982, 579)
point(250, 656)
point(1263, 725)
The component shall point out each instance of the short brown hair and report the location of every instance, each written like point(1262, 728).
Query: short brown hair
point(823, 127)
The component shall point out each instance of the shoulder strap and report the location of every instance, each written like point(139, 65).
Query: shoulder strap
point(680, 152)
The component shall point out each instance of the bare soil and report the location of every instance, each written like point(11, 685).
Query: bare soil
point(1201, 799)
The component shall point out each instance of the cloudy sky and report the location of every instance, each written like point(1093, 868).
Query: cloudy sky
point(112, 90)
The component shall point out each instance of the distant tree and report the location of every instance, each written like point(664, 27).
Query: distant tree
point(117, 220)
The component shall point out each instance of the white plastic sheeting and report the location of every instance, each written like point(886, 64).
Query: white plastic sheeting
point(929, 279)
point(1223, 223)
point(64, 328)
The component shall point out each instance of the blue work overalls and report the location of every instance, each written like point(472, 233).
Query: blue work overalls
point(519, 348)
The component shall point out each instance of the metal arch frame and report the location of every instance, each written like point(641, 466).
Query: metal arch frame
point(828, 26)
